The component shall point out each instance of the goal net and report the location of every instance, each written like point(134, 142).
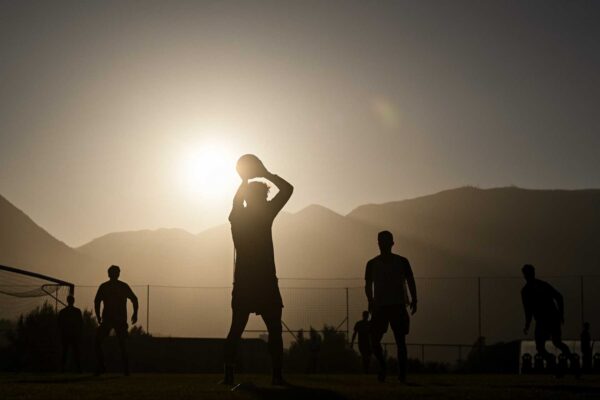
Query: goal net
point(22, 291)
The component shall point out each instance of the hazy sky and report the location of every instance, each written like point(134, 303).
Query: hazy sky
point(101, 104)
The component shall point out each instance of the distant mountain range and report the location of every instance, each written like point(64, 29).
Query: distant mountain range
point(460, 232)
point(464, 231)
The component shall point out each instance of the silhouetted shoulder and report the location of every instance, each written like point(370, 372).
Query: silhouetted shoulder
point(101, 290)
point(373, 260)
point(401, 259)
point(524, 289)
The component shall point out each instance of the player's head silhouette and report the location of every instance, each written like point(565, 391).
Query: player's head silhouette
point(385, 239)
point(528, 272)
point(365, 315)
point(70, 300)
point(113, 272)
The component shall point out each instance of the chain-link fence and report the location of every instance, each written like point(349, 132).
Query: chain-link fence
point(454, 312)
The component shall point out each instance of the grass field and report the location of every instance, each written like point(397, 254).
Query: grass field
point(174, 386)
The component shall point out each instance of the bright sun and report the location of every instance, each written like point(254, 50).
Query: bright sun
point(209, 171)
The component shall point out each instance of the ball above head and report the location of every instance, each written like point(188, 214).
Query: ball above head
point(249, 166)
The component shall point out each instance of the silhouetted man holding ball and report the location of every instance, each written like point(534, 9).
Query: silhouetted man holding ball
point(386, 279)
point(255, 287)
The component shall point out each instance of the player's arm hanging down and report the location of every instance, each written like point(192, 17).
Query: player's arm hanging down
point(528, 311)
point(134, 300)
point(369, 286)
point(560, 303)
point(97, 300)
point(353, 337)
point(412, 288)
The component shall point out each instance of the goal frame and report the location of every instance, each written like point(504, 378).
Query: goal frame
point(55, 281)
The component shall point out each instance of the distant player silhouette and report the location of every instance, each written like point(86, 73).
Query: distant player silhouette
point(314, 345)
point(362, 329)
point(70, 325)
point(113, 294)
point(255, 286)
point(386, 279)
point(545, 304)
point(586, 347)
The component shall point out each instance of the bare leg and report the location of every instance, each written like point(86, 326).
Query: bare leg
point(402, 354)
point(366, 361)
point(272, 320)
point(101, 334)
point(239, 319)
point(122, 339)
point(65, 349)
point(378, 353)
point(76, 354)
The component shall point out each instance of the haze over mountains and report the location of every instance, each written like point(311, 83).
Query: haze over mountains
point(455, 233)
point(465, 231)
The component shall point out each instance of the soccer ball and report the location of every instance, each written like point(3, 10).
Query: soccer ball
point(249, 166)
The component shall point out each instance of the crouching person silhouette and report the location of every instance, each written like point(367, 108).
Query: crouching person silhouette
point(255, 286)
point(544, 303)
point(113, 294)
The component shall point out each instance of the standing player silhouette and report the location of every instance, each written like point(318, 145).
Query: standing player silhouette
point(255, 286)
point(70, 325)
point(386, 278)
point(114, 294)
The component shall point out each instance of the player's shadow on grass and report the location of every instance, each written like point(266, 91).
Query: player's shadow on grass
point(571, 389)
point(67, 379)
point(290, 392)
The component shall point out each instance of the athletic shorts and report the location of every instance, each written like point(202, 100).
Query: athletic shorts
point(120, 327)
point(395, 315)
point(365, 349)
point(260, 298)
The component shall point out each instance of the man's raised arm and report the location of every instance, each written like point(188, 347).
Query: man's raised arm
point(285, 191)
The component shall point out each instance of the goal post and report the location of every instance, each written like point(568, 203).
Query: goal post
point(20, 283)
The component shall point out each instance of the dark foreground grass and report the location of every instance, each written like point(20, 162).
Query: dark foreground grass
point(200, 387)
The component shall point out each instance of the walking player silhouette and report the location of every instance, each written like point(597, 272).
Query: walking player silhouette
point(114, 294)
point(386, 278)
point(255, 286)
point(544, 303)
point(362, 329)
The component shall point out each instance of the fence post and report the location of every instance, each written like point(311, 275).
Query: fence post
point(347, 317)
point(479, 332)
point(582, 299)
point(479, 307)
point(148, 309)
